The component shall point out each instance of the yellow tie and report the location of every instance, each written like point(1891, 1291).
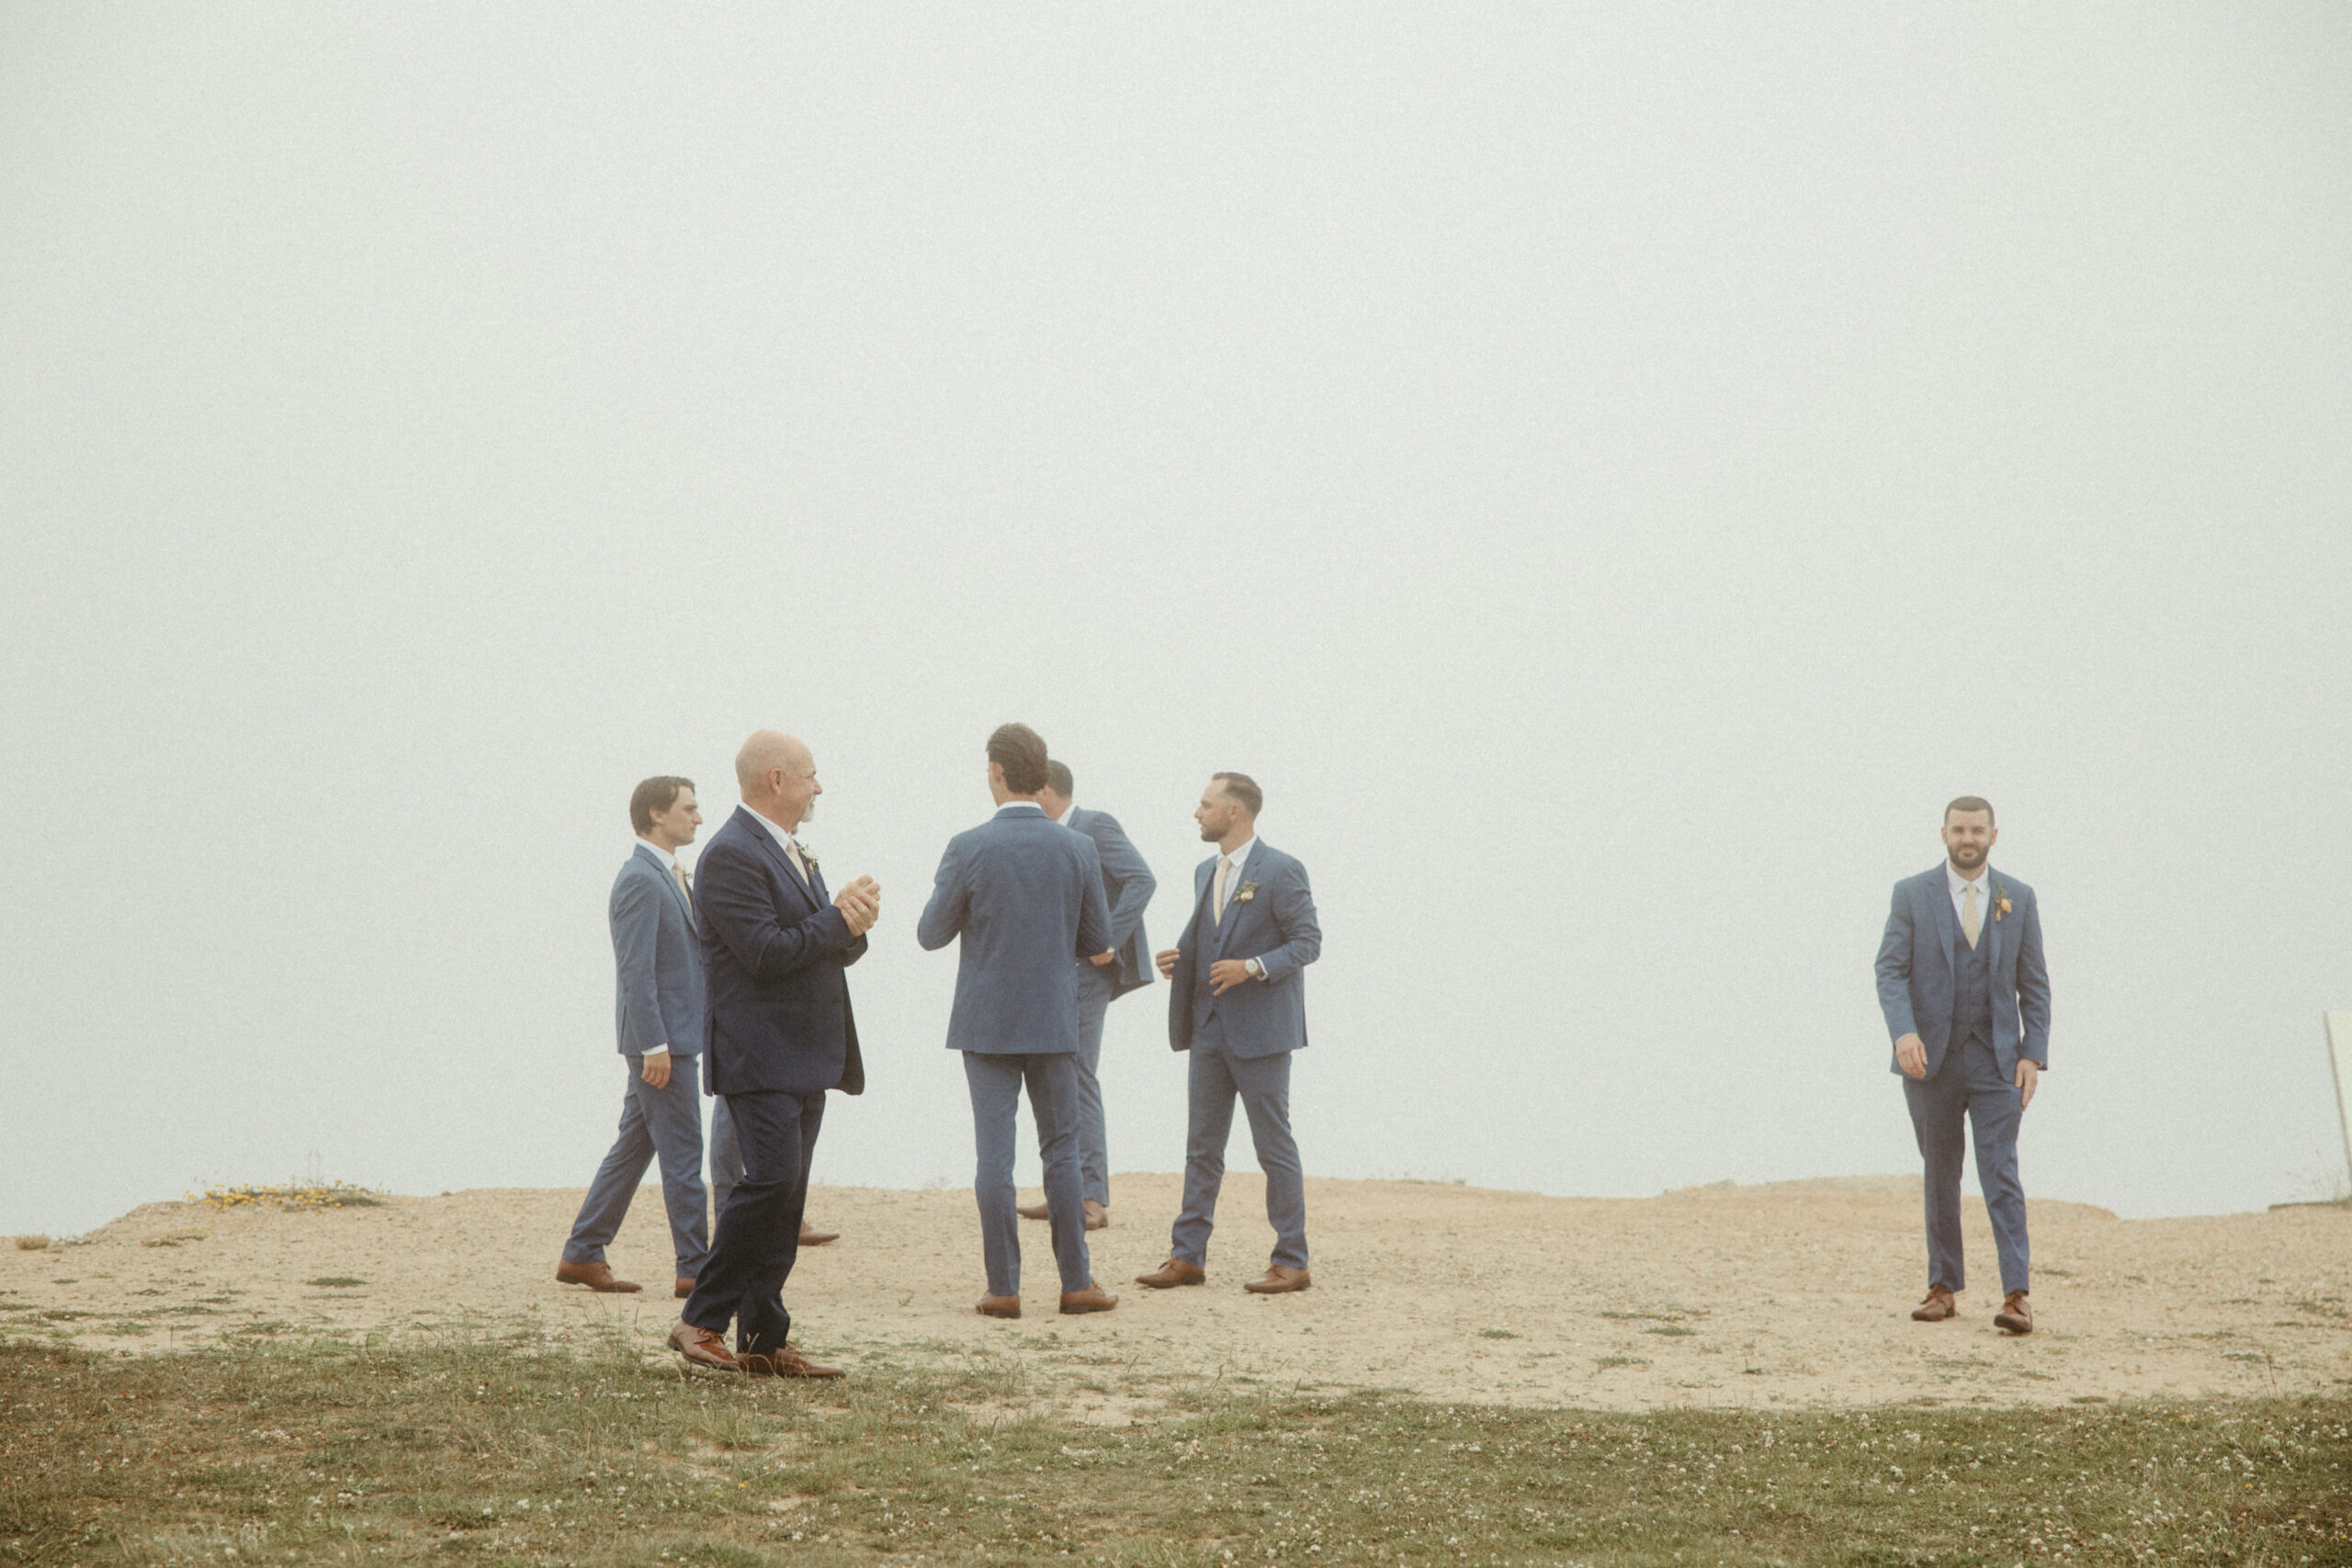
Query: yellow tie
point(1217, 893)
point(678, 875)
point(793, 850)
point(1971, 919)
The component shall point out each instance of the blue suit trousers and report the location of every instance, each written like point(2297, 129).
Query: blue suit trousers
point(996, 1081)
point(1262, 1084)
point(759, 1230)
point(666, 1122)
point(1968, 1087)
point(1094, 989)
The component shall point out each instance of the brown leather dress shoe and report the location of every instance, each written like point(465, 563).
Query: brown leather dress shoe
point(811, 1236)
point(1098, 1215)
point(1937, 1307)
point(596, 1276)
point(1278, 1280)
point(1095, 1298)
point(703, 1347)
point(1000, 1306)
point(1175, 1272)
point(686, 1286)
point(2016, 1316)
point(1032, 1212)
point(786, 1362)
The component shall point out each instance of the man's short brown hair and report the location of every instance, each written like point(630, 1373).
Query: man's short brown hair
point(1972, 803)
point(1020, 752)
point(657, 794)
point(1243, 791)
point(1058, 775)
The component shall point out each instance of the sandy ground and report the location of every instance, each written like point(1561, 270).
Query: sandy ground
point(1789, 1294)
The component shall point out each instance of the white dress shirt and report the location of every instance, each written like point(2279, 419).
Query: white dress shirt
point(1960, 885)
point(788, 844)
point(1067, 812)
point(1240, 858)
point(670, 860)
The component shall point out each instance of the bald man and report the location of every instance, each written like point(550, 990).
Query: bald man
point(778, 1033)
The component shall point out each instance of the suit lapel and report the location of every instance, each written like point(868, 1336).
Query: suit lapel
point(783, 863)
point(668, 882)
point(1939, 895)
point(1992, 927)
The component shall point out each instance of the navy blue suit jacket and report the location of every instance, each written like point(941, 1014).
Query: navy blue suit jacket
point(1128, 884)
point(773, 949)
point(1269, 916)
point(1025, 894)
point(1917, 987)
point(659, 991)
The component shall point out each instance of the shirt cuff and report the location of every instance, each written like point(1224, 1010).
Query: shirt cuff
point(656, 1051)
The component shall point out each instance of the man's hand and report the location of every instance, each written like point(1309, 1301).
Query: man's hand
point(1165, 958)
point(2029, 1074)
point(1100, 959)
point(860, 903)
point(656, 1070)
point(1911, 1055)
point(1226, 974)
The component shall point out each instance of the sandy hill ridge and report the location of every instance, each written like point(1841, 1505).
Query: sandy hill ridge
point(1793, 1294)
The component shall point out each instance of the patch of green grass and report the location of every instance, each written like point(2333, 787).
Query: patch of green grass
point(1496, 1334)
point(335, 1282)
point(518, 1450)
point(32, 1244)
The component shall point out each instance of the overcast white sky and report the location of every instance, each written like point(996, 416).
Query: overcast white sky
point(1610, 473)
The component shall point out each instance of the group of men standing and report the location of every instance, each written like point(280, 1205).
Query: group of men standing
point(734, 981)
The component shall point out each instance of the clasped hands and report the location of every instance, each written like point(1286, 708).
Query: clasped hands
point(1224, 975)
point(860, 903)
point(1911, 1055)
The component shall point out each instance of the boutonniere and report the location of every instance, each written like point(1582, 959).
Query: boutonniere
point(807, 855)
point(2000, 904)
point(1248, 891)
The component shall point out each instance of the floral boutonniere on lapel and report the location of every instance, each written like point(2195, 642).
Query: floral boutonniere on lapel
point(2000, 904)
point(807, 855)
point(1248, 891)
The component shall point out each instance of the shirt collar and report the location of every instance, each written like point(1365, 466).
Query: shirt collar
point(1240, 856)
point(1028, 805)
point(667, 857)
point(782, 836)
point(1067, 812)
point(1954, 880)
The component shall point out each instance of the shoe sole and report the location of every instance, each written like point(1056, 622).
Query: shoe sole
point(997, 1312)
point(1081, 1311)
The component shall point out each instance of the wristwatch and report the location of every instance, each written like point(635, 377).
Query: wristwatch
point(1257, 970)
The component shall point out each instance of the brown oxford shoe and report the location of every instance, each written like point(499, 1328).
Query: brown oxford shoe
point(703, 1347)
point(596, 1276)
point(1175, 1272)
point(1095, 1298)
point(2016, 1316)
point(1032, 1212)
point(1098, 1215)
point(786, 1362)
point(1278, 1280)
point(1936, 1308)
point(684, 1286)
point(1000, 1306)
point(811, 1236)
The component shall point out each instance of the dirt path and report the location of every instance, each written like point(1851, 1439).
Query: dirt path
point(1792, 1295)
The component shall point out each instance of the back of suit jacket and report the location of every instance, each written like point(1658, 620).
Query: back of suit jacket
point(1025, 894)
point(1919, 975)
point(1128, 884)
point(657, 967)
point(774, 952)
point(1269, 916)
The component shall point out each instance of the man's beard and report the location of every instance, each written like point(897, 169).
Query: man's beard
point(808, 810)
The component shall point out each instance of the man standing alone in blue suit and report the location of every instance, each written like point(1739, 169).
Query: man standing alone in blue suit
point(1238, 1004)
point(659, 1011)
point(1966, 995)
point(1025, 894)
point(1128, 884)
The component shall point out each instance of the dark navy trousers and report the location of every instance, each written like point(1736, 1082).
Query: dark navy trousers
point(759, 1229)
point(1967, 1093)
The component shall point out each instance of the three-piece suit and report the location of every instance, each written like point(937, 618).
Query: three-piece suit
point(1127, 884)
point(1025, 895)
point(658, 1003)
point(1241, 1042)
point(778, 1032)
point(1977, 1009)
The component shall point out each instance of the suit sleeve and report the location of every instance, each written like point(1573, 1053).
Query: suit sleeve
point(2033, 988)
point(732, 899)
point(1094, 910)
point(951, 902)
point(1125, 867)
point(637, 926)
point(1294, 922)
point(1895, 970)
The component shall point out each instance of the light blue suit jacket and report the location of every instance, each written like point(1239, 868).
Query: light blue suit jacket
point(1128, 884)
point(661, 1000)
point(1917, 969)
point(1269, 917)
point(1025, 894)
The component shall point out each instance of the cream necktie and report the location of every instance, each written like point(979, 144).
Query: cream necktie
point(1972, 918)
point(792, 849)
point(1216, 893)
point(685, 890)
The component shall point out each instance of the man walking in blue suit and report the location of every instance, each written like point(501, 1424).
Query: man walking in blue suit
point(659, 1013)
point(1966, 995)
point(779, 1033)
point(1237, 1003)
point(1128, 883)
point(1025, 894)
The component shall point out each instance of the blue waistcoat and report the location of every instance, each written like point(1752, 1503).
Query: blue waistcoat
point(1972, 999)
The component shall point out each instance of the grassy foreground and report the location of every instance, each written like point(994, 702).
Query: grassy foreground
point(522, 1451)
